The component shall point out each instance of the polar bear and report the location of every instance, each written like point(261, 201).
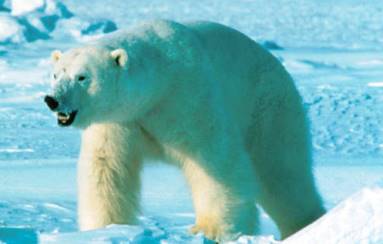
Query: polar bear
point(201, 96)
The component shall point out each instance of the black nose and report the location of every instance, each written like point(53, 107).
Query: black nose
point(51, 102)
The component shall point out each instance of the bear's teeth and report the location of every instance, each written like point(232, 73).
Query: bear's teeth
point(63, 117)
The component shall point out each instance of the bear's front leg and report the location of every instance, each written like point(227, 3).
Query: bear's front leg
point(223, 197)
point(108, 175)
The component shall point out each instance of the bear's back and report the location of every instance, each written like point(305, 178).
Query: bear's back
point(246, 73)
point(251, 77)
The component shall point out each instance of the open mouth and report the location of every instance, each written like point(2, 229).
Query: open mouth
point(66, 119)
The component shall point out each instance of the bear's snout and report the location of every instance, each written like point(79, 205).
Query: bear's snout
point(51, 102)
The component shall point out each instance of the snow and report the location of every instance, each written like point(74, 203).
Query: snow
point(359, 219)
point(20, 7)
point(10, 30)
point(167, 209)
point(375, 84)
point(334, 52)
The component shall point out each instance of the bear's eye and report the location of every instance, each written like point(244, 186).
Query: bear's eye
point(81, 78)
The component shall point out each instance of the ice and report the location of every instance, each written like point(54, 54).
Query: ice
point(375, 84)
point(99, 27)
point(359, 219)
point(15, 28)
point(270, 45)
point(300, 23)
point(10, 29)
point(166, 216)
point(17, 235)
point(15, 150)
point(34, 20)
point(255, 239)
point(20, 7)
point(120, 234)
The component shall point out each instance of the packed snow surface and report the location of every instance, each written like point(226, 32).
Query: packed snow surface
point(356, 220)
point(333, 51)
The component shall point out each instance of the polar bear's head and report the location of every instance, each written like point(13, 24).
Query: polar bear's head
point(85, 84)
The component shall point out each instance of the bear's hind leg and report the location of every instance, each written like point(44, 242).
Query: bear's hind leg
point(224, 205)
point(282, 160)
point(290, 198)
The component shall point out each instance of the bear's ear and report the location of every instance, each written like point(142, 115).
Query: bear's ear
point(56, 55)
point(120, 57)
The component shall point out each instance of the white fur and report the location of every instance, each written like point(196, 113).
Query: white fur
point(204, 97)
